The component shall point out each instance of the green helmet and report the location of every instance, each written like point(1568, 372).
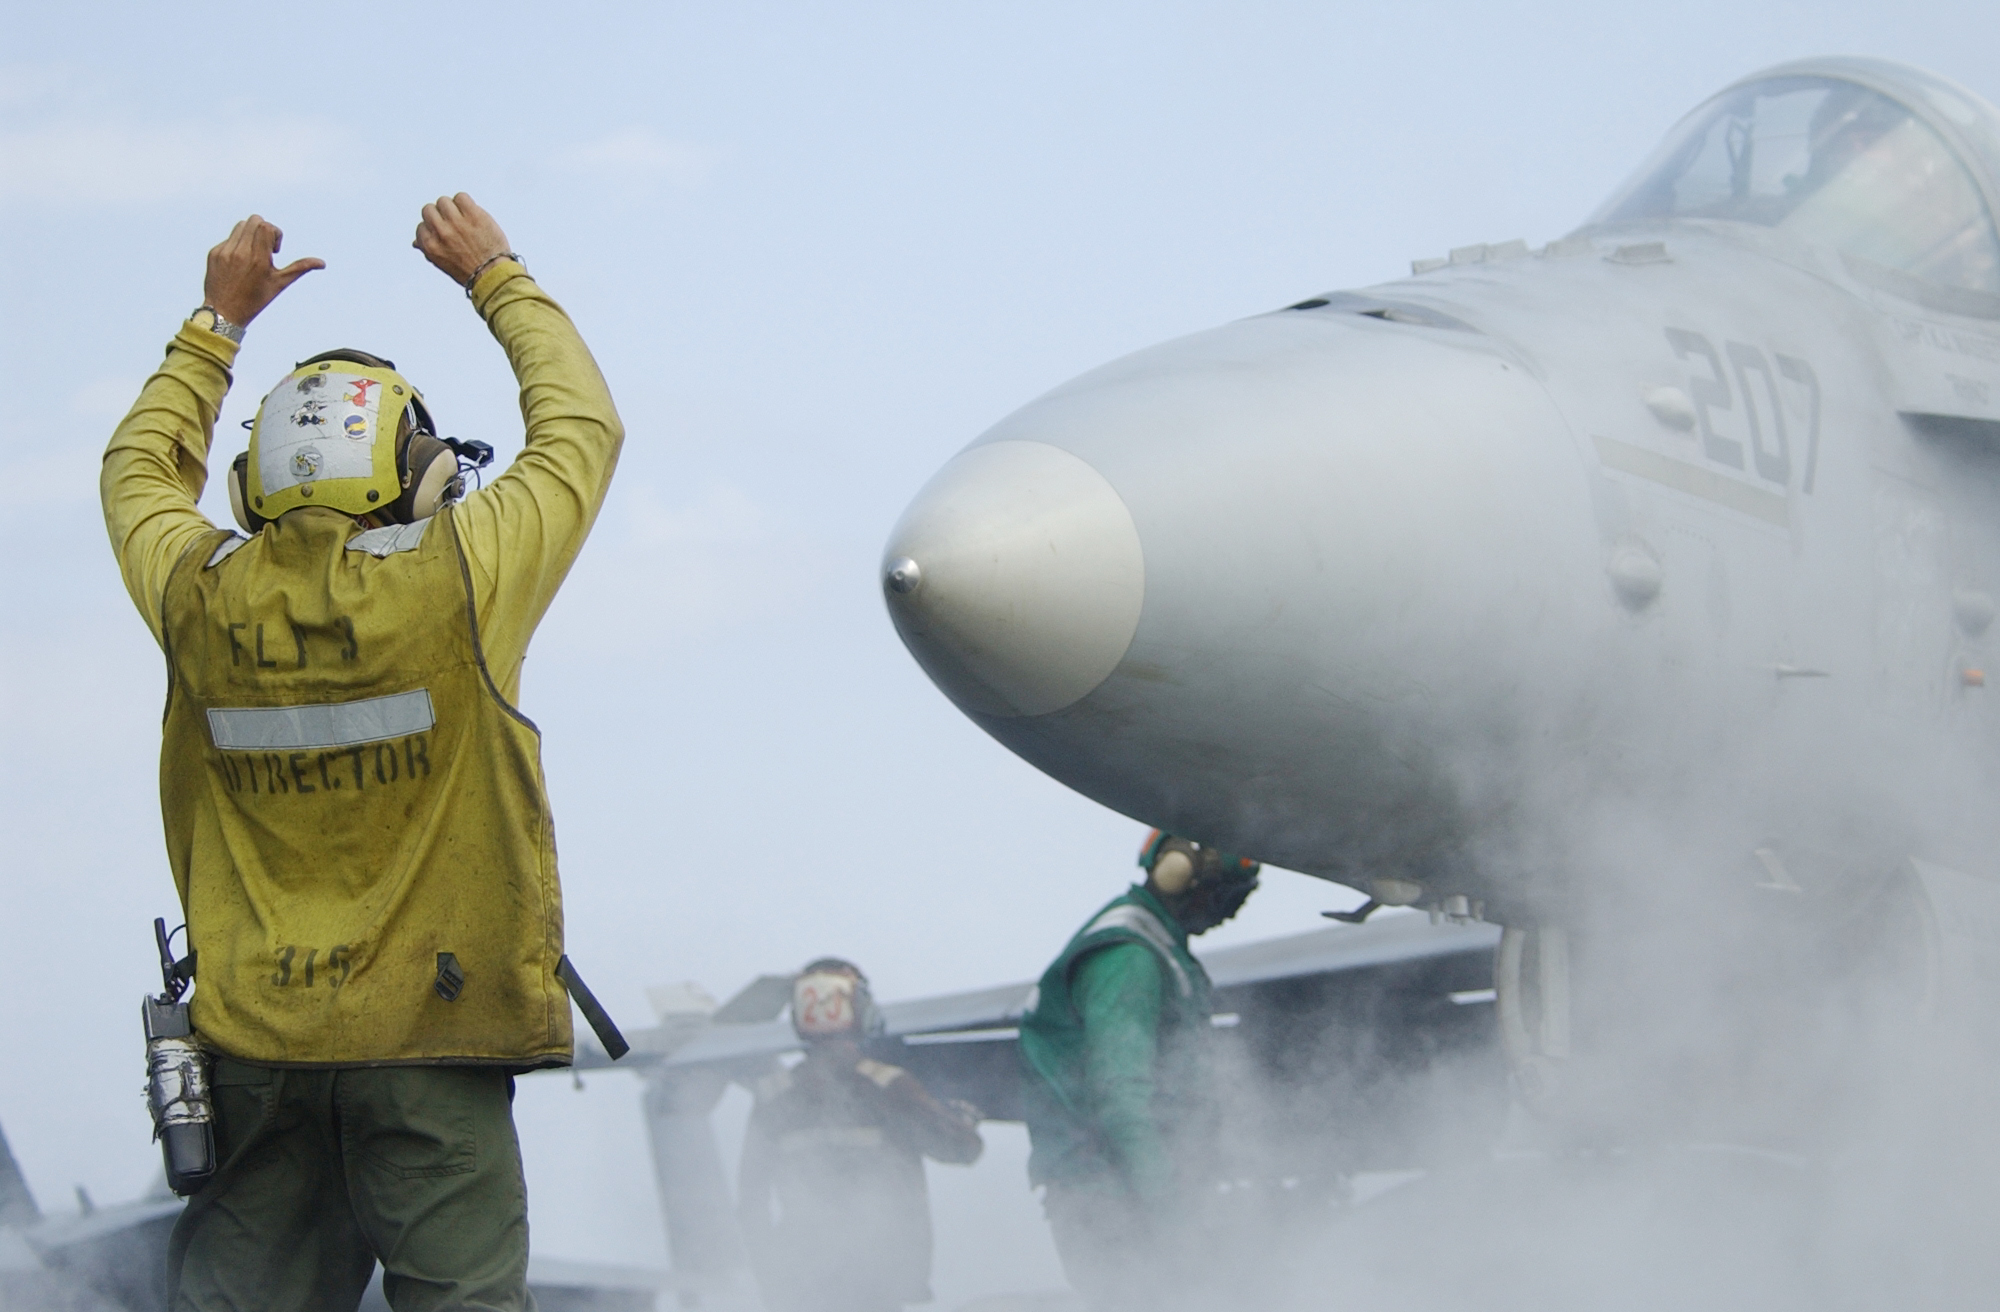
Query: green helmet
point(1206, 885)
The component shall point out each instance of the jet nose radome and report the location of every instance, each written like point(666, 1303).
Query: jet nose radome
point(1016, 578)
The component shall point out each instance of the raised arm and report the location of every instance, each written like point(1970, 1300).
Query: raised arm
point(157, 463)
point(522, 533)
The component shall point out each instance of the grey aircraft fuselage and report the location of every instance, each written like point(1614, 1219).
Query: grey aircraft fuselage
point(1676, 536)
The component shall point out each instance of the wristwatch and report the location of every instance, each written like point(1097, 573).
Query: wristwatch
point(210, 318)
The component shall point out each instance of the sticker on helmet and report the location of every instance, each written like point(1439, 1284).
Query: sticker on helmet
point(823, 1004)
point(304, 410)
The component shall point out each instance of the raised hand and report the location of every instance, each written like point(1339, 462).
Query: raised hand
point(459, 237)
point(243, 278)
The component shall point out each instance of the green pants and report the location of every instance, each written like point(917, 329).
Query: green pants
point(325, 1172)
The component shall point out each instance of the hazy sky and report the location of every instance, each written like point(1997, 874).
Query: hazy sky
point(816, 250)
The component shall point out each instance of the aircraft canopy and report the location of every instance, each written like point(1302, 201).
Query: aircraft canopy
point(1836, 164)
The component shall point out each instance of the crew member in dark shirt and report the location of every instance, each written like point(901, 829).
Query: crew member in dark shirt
point(837, 1144)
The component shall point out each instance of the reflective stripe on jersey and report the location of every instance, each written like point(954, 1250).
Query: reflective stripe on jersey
point(332, 724)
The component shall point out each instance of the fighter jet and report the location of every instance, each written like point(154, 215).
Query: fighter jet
point(1649, 570)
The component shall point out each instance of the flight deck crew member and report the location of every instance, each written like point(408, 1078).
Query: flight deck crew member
point(1117, 1079)
point(838, 1143)
point(354, 808)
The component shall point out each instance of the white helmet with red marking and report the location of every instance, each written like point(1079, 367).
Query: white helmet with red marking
point(831, 1000)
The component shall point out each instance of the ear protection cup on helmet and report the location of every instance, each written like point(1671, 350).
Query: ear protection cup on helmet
point(239, 503)
point(1174, 871)
point(429, 470)
point(1172, 863)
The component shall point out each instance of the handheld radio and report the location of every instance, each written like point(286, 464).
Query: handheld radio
point(177, 1075)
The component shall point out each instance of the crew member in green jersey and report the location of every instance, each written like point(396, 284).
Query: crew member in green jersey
point(1116, 1075)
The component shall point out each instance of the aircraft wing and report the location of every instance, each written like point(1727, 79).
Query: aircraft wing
point(1346, 1006)
point(1341, 1007)
point(1339, 1047)
point(1388, 941)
